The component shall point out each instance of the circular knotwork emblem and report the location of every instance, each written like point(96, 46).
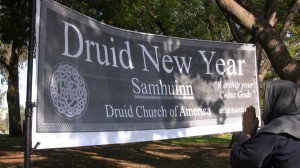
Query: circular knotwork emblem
point(68, 91)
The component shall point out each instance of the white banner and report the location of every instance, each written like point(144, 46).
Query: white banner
point(97, 84)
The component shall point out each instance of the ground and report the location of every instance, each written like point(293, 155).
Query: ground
point(206, 152)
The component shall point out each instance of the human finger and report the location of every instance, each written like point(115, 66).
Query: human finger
point(251, 113)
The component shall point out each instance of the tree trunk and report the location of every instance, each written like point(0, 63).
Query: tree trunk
point(13, 94)
point(272, 20)
point(245, 14)
point(284, 65)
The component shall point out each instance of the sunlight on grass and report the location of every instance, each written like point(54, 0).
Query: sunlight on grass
point(209, 139)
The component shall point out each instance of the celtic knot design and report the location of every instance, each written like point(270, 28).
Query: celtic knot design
point(68, 91)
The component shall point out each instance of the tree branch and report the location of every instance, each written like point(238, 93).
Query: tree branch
point(287, 23)
point(289, 18)
point(283, 64)
point(158, 22)
point(271, 12)
point(249, 7)
point(233, 29)
point(5, 65)
point(263, 71)
point(272, 17)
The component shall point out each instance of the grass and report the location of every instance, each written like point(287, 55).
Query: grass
point(201, 151)
point(8, 140)
point(223, 139)
point(208, 139)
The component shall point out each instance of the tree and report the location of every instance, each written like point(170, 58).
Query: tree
point(271, 30)
point(276, 21)
point(277, 36)
point(245, 14)
point(14, 24)
point(188, 19)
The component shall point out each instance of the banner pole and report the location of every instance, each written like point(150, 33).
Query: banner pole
point(29, 104)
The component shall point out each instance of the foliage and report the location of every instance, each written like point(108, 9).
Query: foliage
point(272, 21)
point(195, 19)
point(14, 29)
point(293, 41)
point(187, 19)
point(14, 21)
point(3, 121)
point(4, 48)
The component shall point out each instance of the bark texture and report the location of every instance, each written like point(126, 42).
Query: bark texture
point(243, 12)
point(13, 101)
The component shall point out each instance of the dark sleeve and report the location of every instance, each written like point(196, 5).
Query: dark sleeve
point(251, 152)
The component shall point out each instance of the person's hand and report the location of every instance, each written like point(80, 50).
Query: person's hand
point(250, 122)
